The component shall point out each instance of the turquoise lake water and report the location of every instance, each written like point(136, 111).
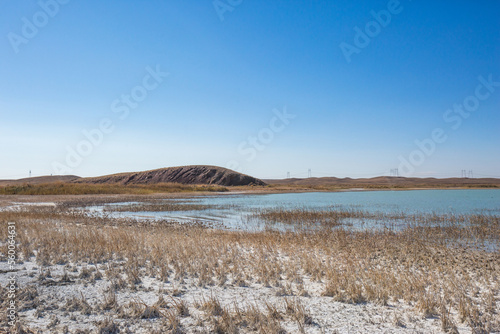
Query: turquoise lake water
point(234, 209)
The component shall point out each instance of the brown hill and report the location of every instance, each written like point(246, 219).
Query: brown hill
point(211, 175)
point(388, 181)
point(40, 180)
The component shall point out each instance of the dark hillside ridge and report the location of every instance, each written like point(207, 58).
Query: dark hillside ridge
point(210, 175)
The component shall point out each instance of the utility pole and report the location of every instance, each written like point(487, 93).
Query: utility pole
point(30, 172)
point(395, 172)
point(467, 174)
point(287, 175)
point(309, 173)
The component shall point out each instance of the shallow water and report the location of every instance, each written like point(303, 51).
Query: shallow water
point(234, 210)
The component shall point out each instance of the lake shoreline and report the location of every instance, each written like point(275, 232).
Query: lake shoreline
point(81, 273)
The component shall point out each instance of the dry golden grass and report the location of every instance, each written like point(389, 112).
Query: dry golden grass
point(437, 264)
point(306, 217)
point(158, 207)
point(62, 188)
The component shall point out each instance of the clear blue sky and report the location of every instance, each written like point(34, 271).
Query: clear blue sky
point(354, 116)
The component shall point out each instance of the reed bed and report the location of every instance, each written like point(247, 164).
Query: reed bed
point(481, 231)
point(306, 216)
point(432, 266)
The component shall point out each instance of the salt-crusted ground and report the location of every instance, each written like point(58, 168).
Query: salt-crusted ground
point(72, 299)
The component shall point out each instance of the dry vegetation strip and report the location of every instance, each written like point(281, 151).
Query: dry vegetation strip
point(414, 266)
point(306, 217)
point(159, 207)
point(60, 188)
